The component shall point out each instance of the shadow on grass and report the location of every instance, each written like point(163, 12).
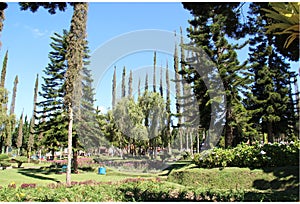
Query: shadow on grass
point(177, 165)
point(33, 173)
point(285, 187)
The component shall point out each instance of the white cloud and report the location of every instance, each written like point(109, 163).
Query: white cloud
point(37, 33)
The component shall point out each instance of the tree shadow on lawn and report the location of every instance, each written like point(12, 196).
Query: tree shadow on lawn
point(175, 166)
point(33, 173)
point(284, 187)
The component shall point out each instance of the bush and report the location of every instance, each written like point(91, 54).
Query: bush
point(4, 160)
point(20, 160)
point(3, 157)
point(256, 156)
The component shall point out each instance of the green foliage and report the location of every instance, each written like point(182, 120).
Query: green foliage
point(20, 160)
point(3, 157)
point(255, 156)
point(287, 17)
point(270, 101)
point(211, 48)
point(50, 6)
point(268, 184)
point(4, 160)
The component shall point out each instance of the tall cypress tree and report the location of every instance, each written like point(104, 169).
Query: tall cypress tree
point(75, 55)
point(3, 103)
point(178, 91)
point(14, 94)
point(154, 72)
point(114, 84)
point(123, 82)
point(3, 6)
point(146, 82)
point(20, 134)
point(139, 87)
point(161, 91)
point(4, 118)
point(87, 128)
point(10, 123)
point(130, 85)
point(168, 110)
point(32, 122)
point(3, 72)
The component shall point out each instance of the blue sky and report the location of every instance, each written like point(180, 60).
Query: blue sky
point(26, 36)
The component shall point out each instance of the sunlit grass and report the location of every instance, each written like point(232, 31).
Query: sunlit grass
point(42, 176)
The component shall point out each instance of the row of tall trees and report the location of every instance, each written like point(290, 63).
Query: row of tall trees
point(259, 96)
point(260, 104)
point(15, 133)
point(141, 124)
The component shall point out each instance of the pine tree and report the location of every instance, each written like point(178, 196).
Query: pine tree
point(123, 82)
point(53, 115)
point(130, 85)
point(270, 103)
point(114, 84)
point(76, 42)
point(154, 72)
point(208, 33)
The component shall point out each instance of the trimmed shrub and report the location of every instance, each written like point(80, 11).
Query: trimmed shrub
point(256, 156)
point(20, 160)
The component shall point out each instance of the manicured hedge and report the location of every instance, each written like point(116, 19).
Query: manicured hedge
point(254, 156)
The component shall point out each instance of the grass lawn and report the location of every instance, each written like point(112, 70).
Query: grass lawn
point(43, 176)
point(275, 181)
point(267, 184)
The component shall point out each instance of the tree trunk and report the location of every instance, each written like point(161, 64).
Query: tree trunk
point(28, 155)
point(198, 142)
point(187, 140)
point(180, 139)
point(1, 144)
point(75, 161)
point(228, 128)
point(191, 142)
point(40, 155)
point(169, 148)
point(270, 132)
point(70, 127)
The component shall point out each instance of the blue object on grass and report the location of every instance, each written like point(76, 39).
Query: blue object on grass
point(64, 168)
point(102, 171)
